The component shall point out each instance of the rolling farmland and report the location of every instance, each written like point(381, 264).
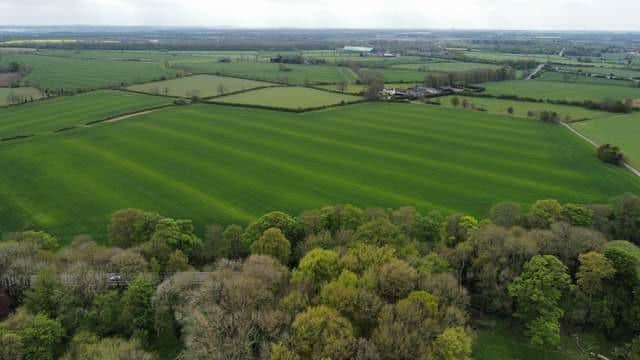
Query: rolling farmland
point(228, 164)
point(69, 73)
point(445, 66)
point(199, 85)
point(53, 114)
point(522, 108)
point(294, 98)
point(289, 73)
point(561, 91)
point(582, 79)
point(620, 130)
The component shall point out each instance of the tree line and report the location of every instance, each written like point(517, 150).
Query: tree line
point(337, 282)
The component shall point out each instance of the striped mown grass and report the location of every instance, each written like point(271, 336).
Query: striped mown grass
point(54, 114)
point(215, 163)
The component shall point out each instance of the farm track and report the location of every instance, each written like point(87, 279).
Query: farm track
point(626, 164)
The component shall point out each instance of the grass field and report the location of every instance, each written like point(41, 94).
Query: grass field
point(560, 91)
point(605, 70)
point(28, 92)
point(397, 75)
point(71, 73)
point(229, 164)
point(582, 79)
point(50, 115)
point(445, 66)
point(505, 342)
point(620, 130)
point(292, 74)
point(522, 108)
point(288, 98)
point(498, 56)
point(199, 85)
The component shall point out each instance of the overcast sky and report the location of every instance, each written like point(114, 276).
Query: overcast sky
point(458, 14)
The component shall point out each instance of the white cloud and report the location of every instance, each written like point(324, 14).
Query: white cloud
point(459, 14)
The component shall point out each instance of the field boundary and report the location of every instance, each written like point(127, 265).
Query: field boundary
point(241, 92)
point(635, 171)
point(297, 111)
point(129, 114)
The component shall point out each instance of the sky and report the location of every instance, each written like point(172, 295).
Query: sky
point(618, 15)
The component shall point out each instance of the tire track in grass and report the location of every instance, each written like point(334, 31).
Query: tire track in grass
point(136, 168)
point(505, 180)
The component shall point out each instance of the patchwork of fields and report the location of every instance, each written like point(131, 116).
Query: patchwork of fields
point(561, 91)
point(295, 98)
point(63, 112)
point(229, 164)
point(199, 85)
point(522, 108)
point(620, 130)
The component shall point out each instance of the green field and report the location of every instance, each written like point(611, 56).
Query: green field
point(228, 164)
point(54, 114)
point(576, 78)
point(29, 93)
point(290, 74)
point(396, 75)
point(445, 66)
point(199, 85)
point(605, 70)
point(498, 57)
point(360, 88)
point(288, 98)
point(55, 72)
point(522, 108)
point(620, 130)
point(556, 90)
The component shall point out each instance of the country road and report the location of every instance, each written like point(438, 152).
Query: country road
point(626, 164)
point(536, 71)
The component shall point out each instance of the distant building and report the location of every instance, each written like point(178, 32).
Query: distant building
point(358, 49)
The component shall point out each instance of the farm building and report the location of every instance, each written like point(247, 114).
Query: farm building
point(358, 49)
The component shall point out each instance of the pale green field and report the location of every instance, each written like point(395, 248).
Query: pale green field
point(620, 130)
point(28, 92)
point(199, 85)
point(522, 108)
point(445, 66)
point(582, 79)
point(288, 98)
point(557, 90)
